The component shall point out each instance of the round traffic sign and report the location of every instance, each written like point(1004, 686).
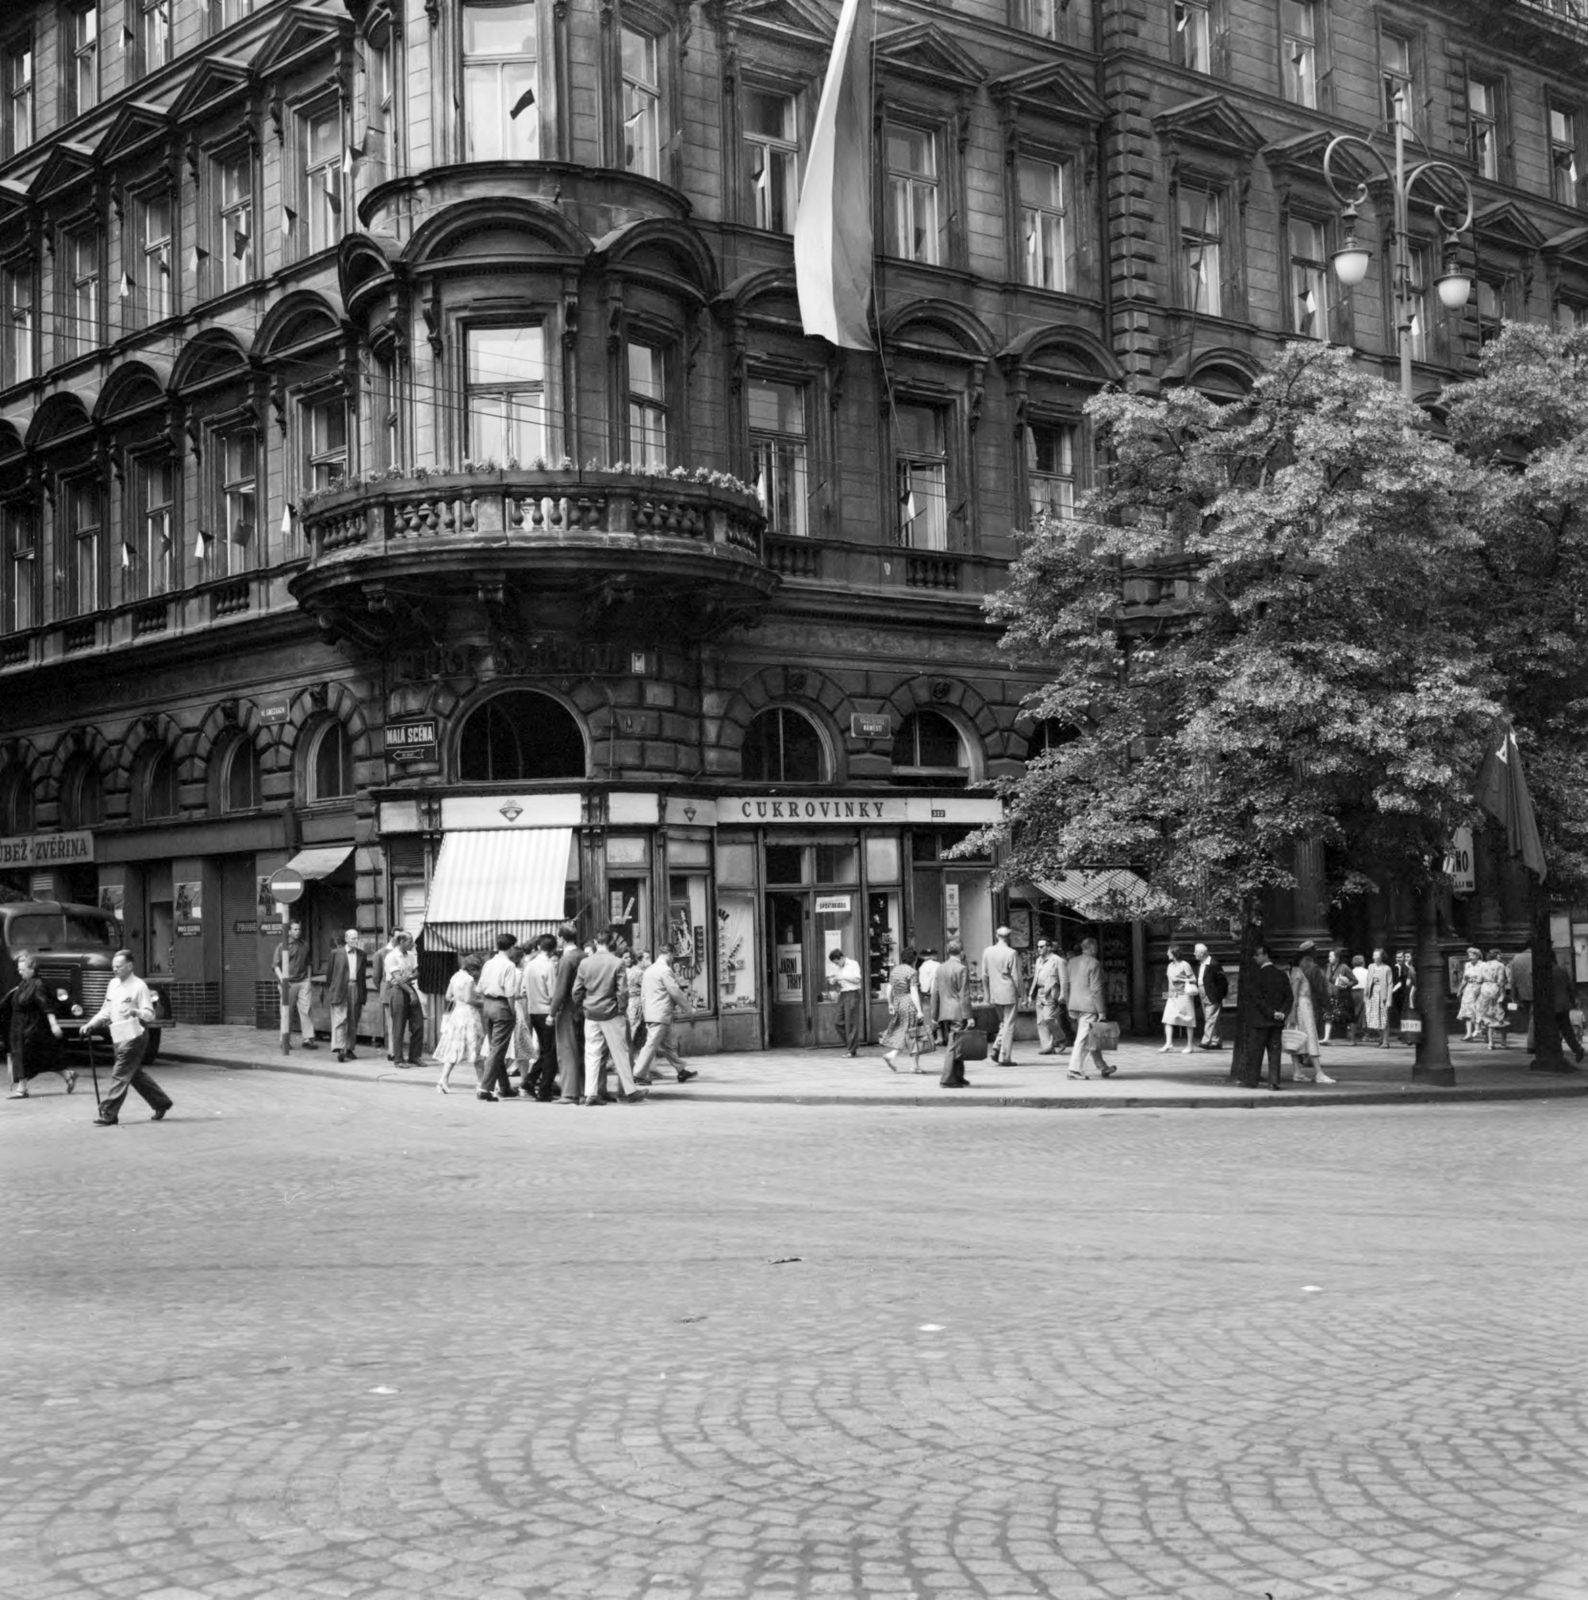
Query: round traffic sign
point(286, 885)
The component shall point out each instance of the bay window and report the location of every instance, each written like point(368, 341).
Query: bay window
point(647, 406)
point(506, 394)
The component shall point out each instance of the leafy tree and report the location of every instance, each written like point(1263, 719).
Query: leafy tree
point(1524, 425)
point(1259, 635)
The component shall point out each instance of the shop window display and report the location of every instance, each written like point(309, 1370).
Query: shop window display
point(686, 936)
point(737, 989)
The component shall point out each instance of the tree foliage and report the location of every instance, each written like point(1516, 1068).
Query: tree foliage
point(1523, 425)
point(1260, 627)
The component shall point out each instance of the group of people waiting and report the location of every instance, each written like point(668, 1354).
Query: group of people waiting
point(931, 1006)
point(549, 1020)
point(1495, 995)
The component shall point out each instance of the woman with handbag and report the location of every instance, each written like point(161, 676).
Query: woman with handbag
point(1179, 1009)
point(909, 1029)
point(1300, 1036)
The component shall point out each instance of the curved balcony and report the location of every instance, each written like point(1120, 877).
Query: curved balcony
point(424, 557)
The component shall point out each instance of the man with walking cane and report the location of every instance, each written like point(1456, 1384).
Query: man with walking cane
point(129, 1009)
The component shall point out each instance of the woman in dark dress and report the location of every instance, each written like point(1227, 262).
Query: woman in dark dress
point(30, 1030)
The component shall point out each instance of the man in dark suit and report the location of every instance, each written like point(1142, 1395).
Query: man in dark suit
point(951, 1012)
point(1270, 1007)
point(1212, 987)
point(346, 989)
point(565, 1017)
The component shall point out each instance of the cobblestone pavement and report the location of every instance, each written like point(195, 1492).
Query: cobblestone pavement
point(302, 1339)
point(1363, 1073)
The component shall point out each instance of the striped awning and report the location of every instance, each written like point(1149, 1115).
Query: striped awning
point(320, 861)
point(496, 880)
point(1119, 894)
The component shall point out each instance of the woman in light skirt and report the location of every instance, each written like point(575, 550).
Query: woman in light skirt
point(462, 1036)
point(1304, 1019)
point(1471, 982)
point(1493, 1015)
point(1179, 1009)
point(909, 1029)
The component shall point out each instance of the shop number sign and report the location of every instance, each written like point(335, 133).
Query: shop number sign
point(790, 973)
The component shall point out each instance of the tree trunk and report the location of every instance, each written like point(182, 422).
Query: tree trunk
point(1432, 1064)
point(1251, 937)
point(1548, 1054)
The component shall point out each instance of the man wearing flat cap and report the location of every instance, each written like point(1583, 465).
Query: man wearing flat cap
point(1001, 971)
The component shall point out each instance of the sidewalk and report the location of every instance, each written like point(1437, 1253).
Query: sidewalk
point(1366, 1076)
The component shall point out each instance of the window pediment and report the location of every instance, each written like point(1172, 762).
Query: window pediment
point(137, 128)
point(1301, 156)
point(303, 33)
point(218, 83)
point(1053, 91)
point(1568, 249)
point(1209, 123)
point(1508, 226)
point(792, 21)
point(69, 167)
point(926, 54)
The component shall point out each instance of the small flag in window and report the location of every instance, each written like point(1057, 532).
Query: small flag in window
point(128, 37)
point(351, 157)
point(239, 244)
point(1309, 304)
point(201, 546)
point(197, 254)
point(910, 512)
point(333, 196)
point(126, 556)
point(288, 217)
point(760, 486)
point(286, 520)
point(673, 143)
point(523, 103)
point(124, 290)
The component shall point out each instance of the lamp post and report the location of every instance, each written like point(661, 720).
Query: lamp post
point(1351, 262)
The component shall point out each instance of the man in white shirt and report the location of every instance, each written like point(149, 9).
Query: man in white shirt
point(538, 974)
point(500, 987)
point(925, 978)
point(849, 981)
point(1000, 967)
point(407, 1009)
point(1047, 995)
point(129, 1009)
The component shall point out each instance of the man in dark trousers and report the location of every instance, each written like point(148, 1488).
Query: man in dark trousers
point(1212, 986)
point(346, 990)
point(951, 1013)
point(1563, 999)
point(565, 1018)
point(1270, 1007)
point(129, 1013)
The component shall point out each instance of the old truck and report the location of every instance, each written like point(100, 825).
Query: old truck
point(73, 945)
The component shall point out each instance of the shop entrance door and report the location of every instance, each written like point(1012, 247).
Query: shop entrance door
point(791, 979)
point(239, 940)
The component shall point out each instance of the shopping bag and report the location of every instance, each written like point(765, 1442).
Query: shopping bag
point(1293, 1039)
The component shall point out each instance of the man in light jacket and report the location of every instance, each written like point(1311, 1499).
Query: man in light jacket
point(598, 989)
point(1049, 979)
point(1000, 968)
point(665, 1004)
point(1087, 1011)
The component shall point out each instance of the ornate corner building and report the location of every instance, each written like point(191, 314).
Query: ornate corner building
point(412, 469)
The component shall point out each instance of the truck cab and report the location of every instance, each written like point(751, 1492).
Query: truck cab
point(73, 945)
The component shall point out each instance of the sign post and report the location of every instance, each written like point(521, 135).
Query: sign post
point(286, 885)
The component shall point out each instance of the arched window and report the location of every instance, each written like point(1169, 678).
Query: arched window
point(240, 777)
point(783, 746)
point(82, 795)
point(159, 787)
point(330, 767)
point(929, 750)
point(1048, 735)
point(518, 737)
point(16, 803)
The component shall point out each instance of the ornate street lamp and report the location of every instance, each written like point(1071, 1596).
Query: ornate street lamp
point(1351, 260)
